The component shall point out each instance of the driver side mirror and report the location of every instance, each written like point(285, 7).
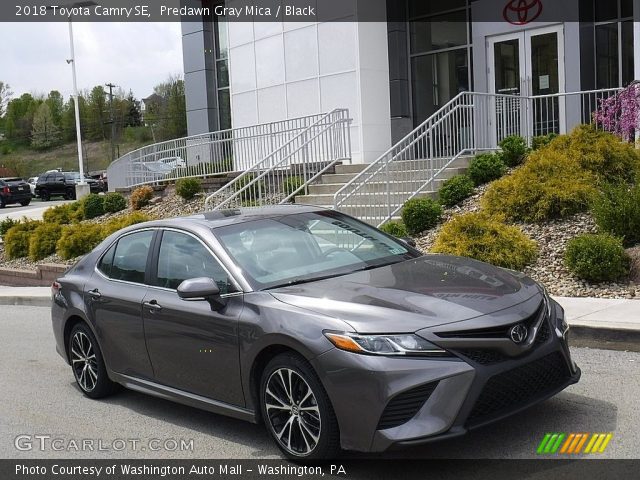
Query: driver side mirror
point(202, 288)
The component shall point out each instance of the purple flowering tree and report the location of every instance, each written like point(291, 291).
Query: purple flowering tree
point(620, 113)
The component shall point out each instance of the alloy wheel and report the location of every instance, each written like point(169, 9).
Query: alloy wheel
point(83, 360)
point(292, 411)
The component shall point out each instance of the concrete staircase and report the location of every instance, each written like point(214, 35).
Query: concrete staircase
point(373, 196)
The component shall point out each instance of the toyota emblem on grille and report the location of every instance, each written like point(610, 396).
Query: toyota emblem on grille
point(518, 333)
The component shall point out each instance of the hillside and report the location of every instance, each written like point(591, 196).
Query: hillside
point(27, 162)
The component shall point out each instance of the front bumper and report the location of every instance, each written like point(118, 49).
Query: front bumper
point(467, 394)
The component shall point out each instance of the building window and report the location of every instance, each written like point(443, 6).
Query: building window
point(222, 72)
point(613, 38)
point(440, 52)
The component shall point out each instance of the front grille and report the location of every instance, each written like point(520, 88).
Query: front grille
point(515, 388)
point(483, 357)
point(493, 332)
point(405, 405)
point(543, 333)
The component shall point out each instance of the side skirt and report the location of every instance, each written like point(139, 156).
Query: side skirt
point(185, 398)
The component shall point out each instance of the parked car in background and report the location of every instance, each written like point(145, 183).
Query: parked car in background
point(62, 184)
point(101, 178)
point(32, 181)
point(149, 171)
point(323, 328)
point(174, 162)
point(14, 190)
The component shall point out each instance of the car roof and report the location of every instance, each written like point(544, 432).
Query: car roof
point(224, 217)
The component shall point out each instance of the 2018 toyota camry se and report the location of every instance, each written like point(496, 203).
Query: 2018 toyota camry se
point(329, 331)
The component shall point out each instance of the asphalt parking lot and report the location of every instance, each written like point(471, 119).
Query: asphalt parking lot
point(39, 397)
point(33, 210)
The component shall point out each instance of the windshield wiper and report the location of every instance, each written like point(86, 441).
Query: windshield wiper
point(298, 281)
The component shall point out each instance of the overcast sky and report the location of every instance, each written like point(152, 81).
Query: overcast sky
point(134, 56)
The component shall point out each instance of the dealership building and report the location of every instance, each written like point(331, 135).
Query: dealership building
point(394, 74)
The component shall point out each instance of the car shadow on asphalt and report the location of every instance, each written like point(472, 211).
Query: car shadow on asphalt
point(517, 436)
point(253, 436)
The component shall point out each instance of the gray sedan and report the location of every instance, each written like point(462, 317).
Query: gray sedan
point(330, 332)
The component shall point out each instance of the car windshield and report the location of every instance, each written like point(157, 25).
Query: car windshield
point(291, 249)
point(75, 177)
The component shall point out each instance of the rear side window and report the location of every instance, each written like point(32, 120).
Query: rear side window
point(104, 265)
point(130, 257)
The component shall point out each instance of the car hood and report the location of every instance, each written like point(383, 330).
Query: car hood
point(415, 294)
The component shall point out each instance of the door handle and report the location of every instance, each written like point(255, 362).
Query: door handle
point(95, 293)
point(153, 306)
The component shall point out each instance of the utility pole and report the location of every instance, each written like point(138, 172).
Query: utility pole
point(113, 125)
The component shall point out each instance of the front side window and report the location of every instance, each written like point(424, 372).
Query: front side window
point(182, 257)
point(305, 247)
point(130, 259)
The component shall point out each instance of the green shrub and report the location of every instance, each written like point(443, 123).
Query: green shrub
point(6, 224)
point(79, 239)
point(395, 228)
point(93, 206)
point(16, 240)
point(187, 188)
point(486, 167)
point(252, 193)
point(455, 190)
point(61, 214)
point(125, 221)
point(420, 214)
point(114, 202)
point(597, 258)
point(601, 153)
point(43, 240)
point(141, 197)
point(488, 239)
point(514, 149)
point(542, 141)
point(291, 184)
point(617, 211)
point(548, 185)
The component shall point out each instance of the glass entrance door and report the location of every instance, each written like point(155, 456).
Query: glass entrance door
point(525, 72)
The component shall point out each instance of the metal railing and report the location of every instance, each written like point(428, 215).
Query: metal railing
point(469, 123)
point(288, 170)
point(214, 153)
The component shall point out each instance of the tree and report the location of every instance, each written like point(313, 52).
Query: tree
point(171, 117)
point(45, 133)
point(133, 116)
point(68, 122)
point(5, 97)
point(19, 118)
point(97, 114)
point(56, 106)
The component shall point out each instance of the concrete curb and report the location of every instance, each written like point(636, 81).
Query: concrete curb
point(24, 300)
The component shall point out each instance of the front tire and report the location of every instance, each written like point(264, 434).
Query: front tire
point(87, 363)
point(297, 411)
point(44, 195)
point(70, 194)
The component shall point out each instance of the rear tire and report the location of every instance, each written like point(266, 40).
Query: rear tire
point(87, 363)
point(45, 195)
point(297, 411)
point(2, 204)
point(70, 194)
point(24, 203)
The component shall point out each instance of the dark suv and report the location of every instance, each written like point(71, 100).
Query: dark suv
point(62, 183)
point(14, 190)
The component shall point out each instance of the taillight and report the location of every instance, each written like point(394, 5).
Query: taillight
point(6, 190)
point(55, 289)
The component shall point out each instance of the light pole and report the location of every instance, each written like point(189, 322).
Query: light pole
point(82, 188)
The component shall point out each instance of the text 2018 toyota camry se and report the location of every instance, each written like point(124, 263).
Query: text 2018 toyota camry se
point(330, 332)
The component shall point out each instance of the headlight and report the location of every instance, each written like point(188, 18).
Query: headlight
point(407, 345)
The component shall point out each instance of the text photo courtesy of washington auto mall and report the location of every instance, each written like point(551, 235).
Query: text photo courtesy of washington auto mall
point(359, 239)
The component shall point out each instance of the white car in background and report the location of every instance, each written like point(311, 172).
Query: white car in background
point(174, 162)
point(32, 185)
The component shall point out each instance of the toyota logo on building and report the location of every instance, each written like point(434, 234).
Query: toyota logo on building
point(521, 12)
point(518, 333)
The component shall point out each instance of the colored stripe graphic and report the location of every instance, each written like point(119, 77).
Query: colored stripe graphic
point(573, 443)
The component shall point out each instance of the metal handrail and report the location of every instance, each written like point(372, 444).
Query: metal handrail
point(304, 157)
point(214, 153)
point(469, 123)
